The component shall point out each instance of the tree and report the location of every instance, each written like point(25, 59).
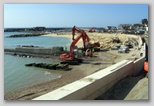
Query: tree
point(144, 21)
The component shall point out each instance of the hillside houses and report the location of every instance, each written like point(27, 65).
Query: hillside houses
point(138, 28)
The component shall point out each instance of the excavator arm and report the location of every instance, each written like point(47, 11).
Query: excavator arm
point(86, 41)
point(84, 36)
point(71, 55)
point(73, 44)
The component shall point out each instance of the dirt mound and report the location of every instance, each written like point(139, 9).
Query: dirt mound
point(107, 40)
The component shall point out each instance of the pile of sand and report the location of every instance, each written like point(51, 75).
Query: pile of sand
point(106, 40)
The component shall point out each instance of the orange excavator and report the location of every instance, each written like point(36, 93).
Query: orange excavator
point(92, 29)
point(70, 58)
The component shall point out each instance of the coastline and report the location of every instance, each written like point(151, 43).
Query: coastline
point(76, 73)
point(68, 35)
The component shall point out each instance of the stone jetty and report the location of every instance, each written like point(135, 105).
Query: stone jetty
point(27, 35)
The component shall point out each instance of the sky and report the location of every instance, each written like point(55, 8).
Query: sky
point(68, 15)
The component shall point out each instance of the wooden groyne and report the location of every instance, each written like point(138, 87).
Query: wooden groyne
point(49, 66)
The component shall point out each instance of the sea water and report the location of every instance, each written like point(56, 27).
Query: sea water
point(16, 74)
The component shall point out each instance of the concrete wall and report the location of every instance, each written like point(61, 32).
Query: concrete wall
point(138, 64)
point(34, 50)
point(9, 50)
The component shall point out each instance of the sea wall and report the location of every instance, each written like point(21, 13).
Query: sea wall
point(36, 50)
point(139, 62)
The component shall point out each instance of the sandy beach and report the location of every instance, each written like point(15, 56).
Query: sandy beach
point(66, 35)
point(105, 39)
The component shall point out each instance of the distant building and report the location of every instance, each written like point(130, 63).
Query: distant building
point(112, 29)
point(101, 30)
point(140, 28)
point(126, 28)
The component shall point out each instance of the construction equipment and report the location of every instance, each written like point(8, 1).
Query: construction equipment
point(92, 29)
point(70, 58)
point(123, 49)
point(146, 66)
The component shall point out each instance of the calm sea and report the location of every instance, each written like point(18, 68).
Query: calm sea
point(16, 74)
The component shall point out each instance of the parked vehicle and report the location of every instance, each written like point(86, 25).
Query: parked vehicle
point(116, 40)
point(115, 47)
point(129, 44)
point(123, 49)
